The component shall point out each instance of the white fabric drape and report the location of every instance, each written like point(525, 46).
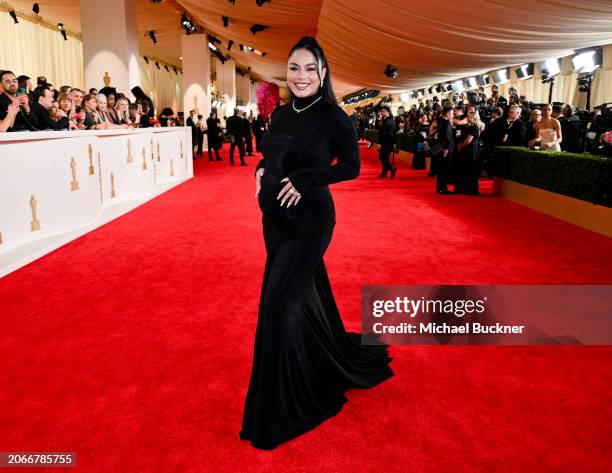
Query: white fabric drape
point(33, 50)
point(165, 88)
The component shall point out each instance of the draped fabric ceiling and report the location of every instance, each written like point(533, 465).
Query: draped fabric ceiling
point(428, 42)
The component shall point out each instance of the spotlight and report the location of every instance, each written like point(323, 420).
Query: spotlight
point(151, 34)
point(146, 59)
point(391, 71)
point(471, 82)
point(525, 71)
point(587, 61)
point(174, 69)
point(36, 8)
point(457, 86)
point(232, 2)
point(249, 68)
point(501, 76)
point(166, 67)
point(256, 28)
point(214, 39)
point(14, 16)
point(242, 47)
point(264, 54)
point(189, 26)
point(260, 3)
point(405, 96)
point(225, 21)
point(550, 69)
point(63, 31)
point(157, 64)
point(482, 79)
point(230, 43)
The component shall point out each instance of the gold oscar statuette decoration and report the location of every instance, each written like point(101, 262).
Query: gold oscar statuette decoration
point(130, 158)
point(171, 167)
point(182, 155)
point(100, 179)
point(1, 239)
point(152, 151)
point(195, 103)
point(113, 193)
point(106, 79)
point(74, 184)
point(144, 158)
point(91, 165)
point(158, 152)
point(35, 221)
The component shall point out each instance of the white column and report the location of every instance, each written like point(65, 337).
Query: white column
point(196, 74)
point(110, 44)
point(226, 85)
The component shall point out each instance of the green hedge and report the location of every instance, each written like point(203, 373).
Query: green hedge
point(404, 141)
point(582, 176)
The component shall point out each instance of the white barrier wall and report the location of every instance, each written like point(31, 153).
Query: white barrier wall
point(55, 183)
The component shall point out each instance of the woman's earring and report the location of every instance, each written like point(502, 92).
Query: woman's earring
point(321, 84)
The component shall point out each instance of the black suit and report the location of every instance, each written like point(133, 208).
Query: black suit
point(513, 133)
point(236, 129)
point(386, 137)
point(248, 137)
point(23, 121)
point(446, 137)
point(212, 136)
point(194, 132)
point(44, 120)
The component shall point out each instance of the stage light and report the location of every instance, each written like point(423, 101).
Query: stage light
point(261, 2)
point(175, 72)
point(189, 26)
point(214, 39)
point(151, 34)
point(482, 79)
point(525, 71)
point(500, 76)
point(212, 46)
point(550, 69)
point(225, 20)
point(14, 16)
point(256, 28)
point(146, 59)
point(36, 8)
point(232, 2)
point(166, 67)
point(264, 54)
point(471, 82)
point(239, 71)
point(157, 65)
point(457, 86)
point(405, 96)
point(60, 26)
point(230, 43)
point(391, 71)
point(587, 61)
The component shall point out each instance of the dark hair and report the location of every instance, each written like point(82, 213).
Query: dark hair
point(91, 91)
point(22, 81)
point(3, 73)
point(446, 109)
point(310, 44)
point(138, 92)
point(557, 108)
point(167, 112)
point(39, 92)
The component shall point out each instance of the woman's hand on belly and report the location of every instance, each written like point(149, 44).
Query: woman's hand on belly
point(258, 175)
point(288, 194)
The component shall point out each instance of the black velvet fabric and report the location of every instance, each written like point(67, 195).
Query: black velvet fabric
point(304, 359)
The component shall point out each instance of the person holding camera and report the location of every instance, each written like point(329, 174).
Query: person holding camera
point(24, 119)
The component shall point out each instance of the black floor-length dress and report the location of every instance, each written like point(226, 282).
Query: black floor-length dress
point(304, 360)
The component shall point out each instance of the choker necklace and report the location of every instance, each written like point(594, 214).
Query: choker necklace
point(298, 110)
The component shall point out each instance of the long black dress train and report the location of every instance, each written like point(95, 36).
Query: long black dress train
point(304, 360)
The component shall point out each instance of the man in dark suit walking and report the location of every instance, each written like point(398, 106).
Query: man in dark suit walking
point(386, 137)
point(446, 138)
point(235, 128)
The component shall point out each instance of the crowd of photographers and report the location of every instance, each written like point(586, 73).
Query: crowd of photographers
point(460, 132)
point(24, 107)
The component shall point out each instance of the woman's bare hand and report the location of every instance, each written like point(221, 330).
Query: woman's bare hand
point(258, 175)
point(288, 193)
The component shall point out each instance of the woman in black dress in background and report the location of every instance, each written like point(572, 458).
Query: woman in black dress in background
point(304, 360)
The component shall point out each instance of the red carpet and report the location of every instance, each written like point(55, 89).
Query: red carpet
point(132, 345)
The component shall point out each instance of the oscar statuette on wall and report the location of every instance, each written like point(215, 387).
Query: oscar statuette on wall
point(113, 193)
point(35, 221)
point(171, 167)
point(91, 165)
point(152, 151)
point(144, 158)
point(158, 152)
point(74, 184)
point(130, 158)
point(100, 179)
point(182, 155)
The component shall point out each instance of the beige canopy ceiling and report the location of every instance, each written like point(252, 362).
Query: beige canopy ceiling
point(427, 41)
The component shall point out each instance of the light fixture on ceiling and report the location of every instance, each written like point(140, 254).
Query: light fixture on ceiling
point(260, 3)
point(471, 82)
point(405, 96)
point(458, 86)
point(587, 60)
point(391, 71)
point(232, 2)
point(157, 65)
point(501, 76)
point(525, 71)
point(151, 34)
point(146, 59)
point(482, 79)
point(166, 67)
point(188, 24)
point(60, 26)
point(230, 43)
point(549, 69)
point(225, 20)
point(36, 8)
point(256, 28)
point(14, 16)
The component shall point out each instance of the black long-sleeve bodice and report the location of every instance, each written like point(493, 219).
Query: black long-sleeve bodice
point(302, 146)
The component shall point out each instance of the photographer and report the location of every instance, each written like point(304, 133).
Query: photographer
point(25, 119)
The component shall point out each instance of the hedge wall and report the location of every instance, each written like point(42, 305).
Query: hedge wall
point(582, 176)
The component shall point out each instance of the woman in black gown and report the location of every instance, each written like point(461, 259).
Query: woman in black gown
point(304, 359)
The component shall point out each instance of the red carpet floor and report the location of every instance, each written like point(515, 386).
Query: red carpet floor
point(132, 345)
